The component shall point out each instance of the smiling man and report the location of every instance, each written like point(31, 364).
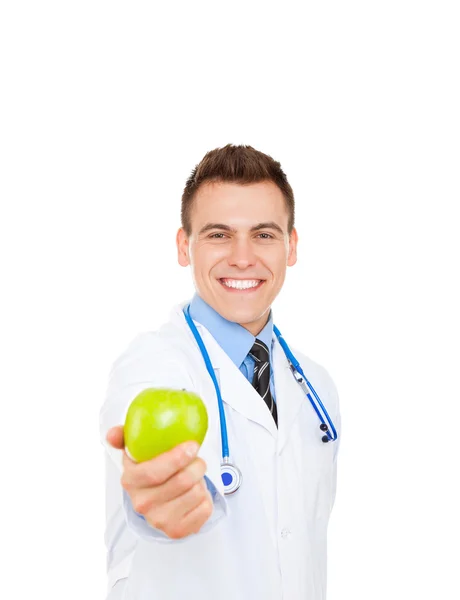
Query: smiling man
point(206, 523)
point(238, 260)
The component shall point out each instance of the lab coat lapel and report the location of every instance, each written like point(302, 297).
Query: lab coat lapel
point(289, 395)
point(236, 390)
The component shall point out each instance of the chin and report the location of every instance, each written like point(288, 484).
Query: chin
point(243, 317)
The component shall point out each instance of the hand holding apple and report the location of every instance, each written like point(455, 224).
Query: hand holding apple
point(169, 489)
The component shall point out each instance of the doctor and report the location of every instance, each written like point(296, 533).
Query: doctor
point(173, 530)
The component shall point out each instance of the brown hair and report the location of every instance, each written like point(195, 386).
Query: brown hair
point(235, 164)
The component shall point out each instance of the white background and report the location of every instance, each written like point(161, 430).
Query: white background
point(106, 108)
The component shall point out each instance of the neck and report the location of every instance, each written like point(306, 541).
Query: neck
point(255, 327)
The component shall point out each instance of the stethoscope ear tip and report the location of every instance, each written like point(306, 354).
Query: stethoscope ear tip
point(325, 439)
point(323, 427)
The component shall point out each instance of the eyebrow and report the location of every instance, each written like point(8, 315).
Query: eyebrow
point(258, 227)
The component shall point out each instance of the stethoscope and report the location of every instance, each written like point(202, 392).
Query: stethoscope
point(231, 475)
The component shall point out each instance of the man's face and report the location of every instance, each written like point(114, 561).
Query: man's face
point(239, 249)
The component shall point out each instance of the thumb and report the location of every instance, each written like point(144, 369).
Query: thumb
point(115, 437)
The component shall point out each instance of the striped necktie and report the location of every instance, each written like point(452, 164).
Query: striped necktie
point(261, 379)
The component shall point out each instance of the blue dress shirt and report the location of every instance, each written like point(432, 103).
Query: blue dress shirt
point(234, 339)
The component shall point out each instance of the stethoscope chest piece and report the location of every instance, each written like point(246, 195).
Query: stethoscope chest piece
point(231, 477)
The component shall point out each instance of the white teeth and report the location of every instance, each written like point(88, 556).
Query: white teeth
point(240, 284)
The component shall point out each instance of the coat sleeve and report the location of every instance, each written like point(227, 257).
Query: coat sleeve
point(144, 364)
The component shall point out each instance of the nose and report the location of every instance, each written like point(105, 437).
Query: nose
point(242, 254)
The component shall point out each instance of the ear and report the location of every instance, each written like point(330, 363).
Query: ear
point(292, 255)
point(182, 248)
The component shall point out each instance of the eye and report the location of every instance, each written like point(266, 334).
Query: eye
point(214, 236)
point(267, 236)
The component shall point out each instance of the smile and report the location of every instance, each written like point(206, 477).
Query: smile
point(242, 284)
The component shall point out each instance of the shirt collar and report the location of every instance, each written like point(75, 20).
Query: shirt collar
point(234, 339)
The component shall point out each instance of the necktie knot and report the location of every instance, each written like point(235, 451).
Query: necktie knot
point(260, 351)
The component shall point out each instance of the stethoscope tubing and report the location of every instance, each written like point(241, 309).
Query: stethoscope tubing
point(293, 363)
point(207, 360)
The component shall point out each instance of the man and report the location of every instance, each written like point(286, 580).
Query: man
point(172, 531)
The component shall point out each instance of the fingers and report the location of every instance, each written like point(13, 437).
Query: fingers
point(185, 514)
point(144, 499)
point(115, 437)
point(156, 471)
point(170, 490)
point(195, 519)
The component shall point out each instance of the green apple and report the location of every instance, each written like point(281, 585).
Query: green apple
point(158, 419)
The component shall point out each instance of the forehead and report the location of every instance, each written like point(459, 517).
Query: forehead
point(233, 202)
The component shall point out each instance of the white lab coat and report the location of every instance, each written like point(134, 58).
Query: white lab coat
point(268, 540)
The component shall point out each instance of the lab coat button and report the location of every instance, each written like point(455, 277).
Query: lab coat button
point(285, 533)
